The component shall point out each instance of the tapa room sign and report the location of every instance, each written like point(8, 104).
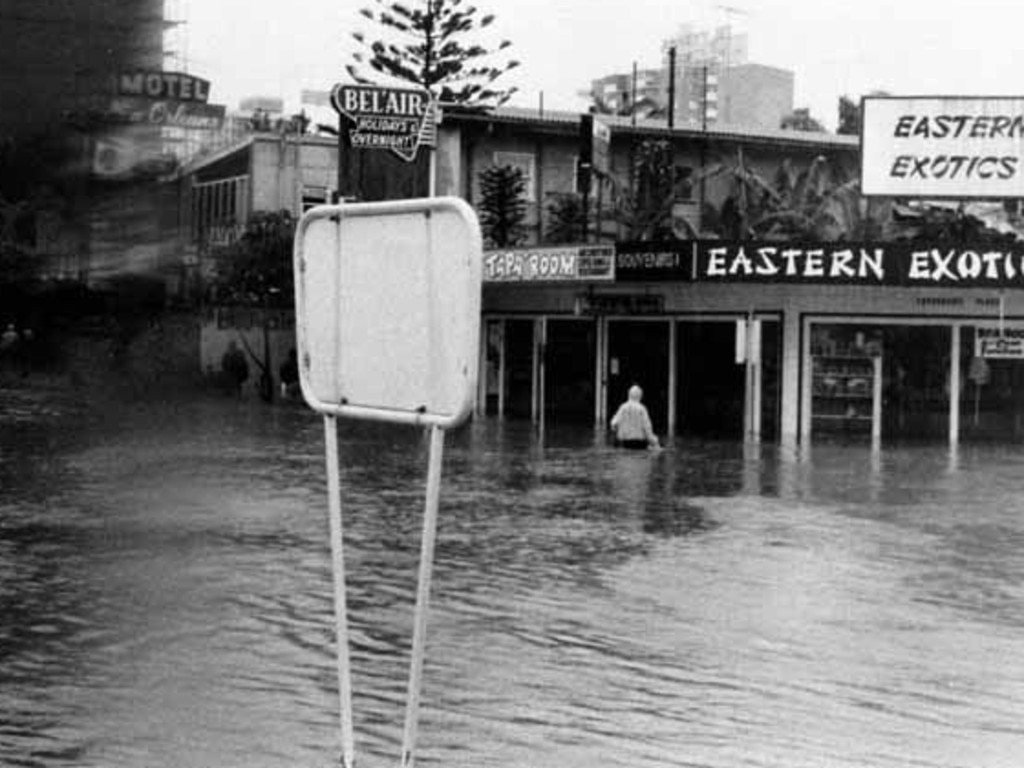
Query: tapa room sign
point(935, 147)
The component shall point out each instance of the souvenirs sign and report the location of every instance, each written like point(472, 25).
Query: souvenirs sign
point(399, 119)
point(638, 261)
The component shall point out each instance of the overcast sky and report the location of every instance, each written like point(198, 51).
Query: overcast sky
point(913, 47)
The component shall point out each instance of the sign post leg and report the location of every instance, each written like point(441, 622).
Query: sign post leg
point(340, 602)
point(419, 636)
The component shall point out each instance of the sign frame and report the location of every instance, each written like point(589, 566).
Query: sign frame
point(443, 313)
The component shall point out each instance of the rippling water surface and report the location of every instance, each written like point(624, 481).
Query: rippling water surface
point(165, 597)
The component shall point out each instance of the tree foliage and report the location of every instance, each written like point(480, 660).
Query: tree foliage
point(502, 205)
point(643, 206)
point(428, 43)
point(951, 223)
point(643, 108)
point(849, 117)
point(811, 203)
point(801, 120)
point(256, 269)
point(565, 222)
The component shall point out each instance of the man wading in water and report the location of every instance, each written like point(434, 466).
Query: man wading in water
point(632, 423)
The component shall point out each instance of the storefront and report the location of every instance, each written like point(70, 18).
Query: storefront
point(760, 341)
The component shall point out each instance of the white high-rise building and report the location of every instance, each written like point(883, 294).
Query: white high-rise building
point(715, 83)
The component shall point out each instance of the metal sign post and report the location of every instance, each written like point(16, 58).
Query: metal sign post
point(419, 634)
point(348, 748)
point(387, 299)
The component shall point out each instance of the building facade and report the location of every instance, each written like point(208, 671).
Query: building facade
point(791, 341)
point(217, 194)
point(56, 55)
point(755, 95)
point(56, 58)
point(788, 341)
point(641, 93)
point(714, 84)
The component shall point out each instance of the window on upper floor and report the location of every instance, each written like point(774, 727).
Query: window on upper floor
point(314, 196)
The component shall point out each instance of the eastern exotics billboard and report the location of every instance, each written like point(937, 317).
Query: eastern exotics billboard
point(942, 146)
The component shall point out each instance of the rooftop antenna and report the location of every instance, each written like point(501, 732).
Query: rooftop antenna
point(732, 9)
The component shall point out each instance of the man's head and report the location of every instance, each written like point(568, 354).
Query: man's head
point(635, 393)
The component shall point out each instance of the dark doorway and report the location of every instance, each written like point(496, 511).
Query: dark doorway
point(915, 381)
point(771, 379)
point(710, 386)
point(519, 368)
point(570, 357)
point(991, 394)
point(638, 354)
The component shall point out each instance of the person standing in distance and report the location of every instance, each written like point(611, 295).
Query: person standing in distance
point(235, 369)
point(632, 423)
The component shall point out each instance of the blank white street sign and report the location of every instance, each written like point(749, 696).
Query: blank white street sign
point(387, 301)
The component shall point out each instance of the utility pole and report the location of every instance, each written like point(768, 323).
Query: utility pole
point(671, 87)
point(703, 145)
point(704, 99)
point(632, 99)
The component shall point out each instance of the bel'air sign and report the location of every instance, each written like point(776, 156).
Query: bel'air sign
point(557, 264)
point(934, 147)
point(399, 119)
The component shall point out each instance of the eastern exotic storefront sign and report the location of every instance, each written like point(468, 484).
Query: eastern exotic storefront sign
point(900, 263)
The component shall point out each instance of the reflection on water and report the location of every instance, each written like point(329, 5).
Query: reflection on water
point(166, 601)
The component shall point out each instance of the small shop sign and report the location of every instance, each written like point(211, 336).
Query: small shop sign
point(559, 264)
point(132, 110)
point(620, 304)
point(654, 261)
point(602, 147)
point(1004, 342)
point(399, 119)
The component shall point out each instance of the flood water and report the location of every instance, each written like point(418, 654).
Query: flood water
point(165, 596)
